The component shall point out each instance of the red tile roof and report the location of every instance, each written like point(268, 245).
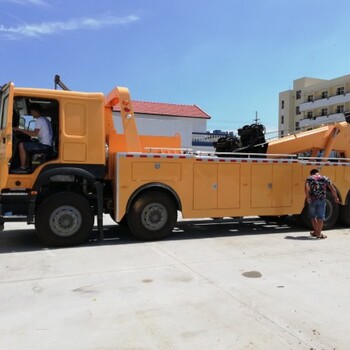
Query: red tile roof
point(169, 109)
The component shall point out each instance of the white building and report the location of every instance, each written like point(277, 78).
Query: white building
point(313, 102)
point(166, 119)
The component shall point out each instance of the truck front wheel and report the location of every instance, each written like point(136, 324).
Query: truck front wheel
point(64, 219)
point(152, 216)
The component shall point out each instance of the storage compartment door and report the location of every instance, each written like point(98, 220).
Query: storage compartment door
point(205, 186)
point(261, 185)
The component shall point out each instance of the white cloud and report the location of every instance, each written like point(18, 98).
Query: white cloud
point(49, 28)
point(27, 2)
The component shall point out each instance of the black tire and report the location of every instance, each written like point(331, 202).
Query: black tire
point(332, 213)
point(124, 221)
point(344, 214)
point(304, 218)
point(152, 216)
point(64, 219)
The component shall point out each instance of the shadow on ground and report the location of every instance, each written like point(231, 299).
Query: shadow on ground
point(26, 240)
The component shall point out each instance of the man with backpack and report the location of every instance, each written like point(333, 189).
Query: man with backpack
point(316, 186)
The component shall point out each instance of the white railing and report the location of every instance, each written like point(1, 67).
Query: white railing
point(326, 119)
point(324, 102)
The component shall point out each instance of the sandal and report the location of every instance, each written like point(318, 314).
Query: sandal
point(313, 234)
point(321, 236)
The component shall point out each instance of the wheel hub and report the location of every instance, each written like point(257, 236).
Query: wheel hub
point(154, 216)
point(65, 221)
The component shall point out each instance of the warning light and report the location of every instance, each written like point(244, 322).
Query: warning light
point(114, 101)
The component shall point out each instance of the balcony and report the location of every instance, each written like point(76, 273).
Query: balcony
point(325, 102)
point(323, 119)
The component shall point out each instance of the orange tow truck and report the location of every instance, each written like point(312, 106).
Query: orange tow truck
point(144, 181)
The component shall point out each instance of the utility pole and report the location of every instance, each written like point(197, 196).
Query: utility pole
point(256, 118)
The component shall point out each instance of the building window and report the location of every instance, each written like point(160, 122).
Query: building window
point(298, 95)
point(297, 110)
point(340, 109)
point(282, 119)
point(282, 133)
point(324, 111)
point(309, 114)
point(340, 90)
point(324, 94)
point(297, 126)
point(282, 104)
point(310, 98)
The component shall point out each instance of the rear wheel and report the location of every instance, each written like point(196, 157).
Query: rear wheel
point(152, 216)
point(332, 213)
point(123, 222)
point(344, 214)
point(64, 219)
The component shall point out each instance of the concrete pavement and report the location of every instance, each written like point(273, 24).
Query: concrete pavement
point(212, 285)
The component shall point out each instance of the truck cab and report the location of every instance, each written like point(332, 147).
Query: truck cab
point(76, 164)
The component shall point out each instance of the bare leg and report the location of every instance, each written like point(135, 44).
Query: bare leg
point(319, 227)
point(315, 227)
point(22, 155)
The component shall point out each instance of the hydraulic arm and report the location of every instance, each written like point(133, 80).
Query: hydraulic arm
point(335, 137)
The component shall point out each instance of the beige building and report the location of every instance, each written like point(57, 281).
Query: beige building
point(313, 102)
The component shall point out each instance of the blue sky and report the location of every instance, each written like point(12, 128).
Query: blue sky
point(229, 57)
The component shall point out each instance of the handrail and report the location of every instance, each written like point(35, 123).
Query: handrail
point(263, 157)
point(324, 159)
point(248, 155)
point(169, 149)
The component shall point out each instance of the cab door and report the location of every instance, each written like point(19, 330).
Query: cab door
point(6, 107)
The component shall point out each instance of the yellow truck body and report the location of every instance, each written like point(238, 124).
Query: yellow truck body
point(224, 187)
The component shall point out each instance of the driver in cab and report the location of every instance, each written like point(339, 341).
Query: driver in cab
point(42, 131)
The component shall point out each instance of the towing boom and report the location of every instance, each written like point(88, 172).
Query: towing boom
point(325, 139)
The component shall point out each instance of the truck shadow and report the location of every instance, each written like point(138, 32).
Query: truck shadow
point(12, 241)
point(201, 229)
